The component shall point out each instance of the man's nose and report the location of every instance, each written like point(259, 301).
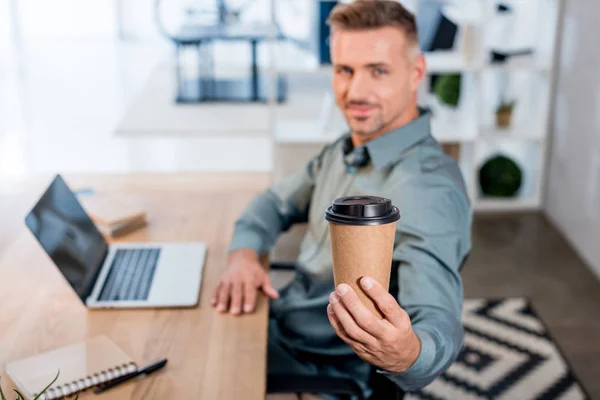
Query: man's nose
point(359, 87)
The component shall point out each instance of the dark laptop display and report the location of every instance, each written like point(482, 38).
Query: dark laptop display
point(69, 236)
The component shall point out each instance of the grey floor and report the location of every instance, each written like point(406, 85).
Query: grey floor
point(523, 255)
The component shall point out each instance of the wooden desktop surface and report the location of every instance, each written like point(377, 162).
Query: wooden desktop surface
point(211, 356)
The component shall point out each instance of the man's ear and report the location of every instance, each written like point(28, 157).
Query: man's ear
point(419, 68)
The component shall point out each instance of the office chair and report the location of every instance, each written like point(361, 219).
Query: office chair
point(345, 388)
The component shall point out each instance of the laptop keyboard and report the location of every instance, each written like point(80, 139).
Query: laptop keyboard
point(130, 275)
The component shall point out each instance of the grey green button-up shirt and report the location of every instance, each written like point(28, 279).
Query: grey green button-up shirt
point(432, 240)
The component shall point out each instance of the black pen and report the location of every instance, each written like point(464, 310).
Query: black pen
point(147, 370)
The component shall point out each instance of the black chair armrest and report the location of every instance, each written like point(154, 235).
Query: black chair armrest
point(283, 383)
point(282, 266)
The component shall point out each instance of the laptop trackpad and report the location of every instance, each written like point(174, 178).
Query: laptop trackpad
point(178, 274)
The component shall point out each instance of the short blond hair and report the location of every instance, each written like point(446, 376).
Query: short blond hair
point(373, 14)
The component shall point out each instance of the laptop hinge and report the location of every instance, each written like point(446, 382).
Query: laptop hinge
point(92, 282)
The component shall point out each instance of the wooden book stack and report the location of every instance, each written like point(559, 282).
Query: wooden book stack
point(114, 215)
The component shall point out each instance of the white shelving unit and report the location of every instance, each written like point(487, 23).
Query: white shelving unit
point(311, 117)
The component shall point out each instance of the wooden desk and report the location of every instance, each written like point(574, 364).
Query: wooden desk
point(211, 356)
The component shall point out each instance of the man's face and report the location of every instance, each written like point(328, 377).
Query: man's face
point(375, 77)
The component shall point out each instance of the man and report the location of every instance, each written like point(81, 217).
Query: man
point(389, 152)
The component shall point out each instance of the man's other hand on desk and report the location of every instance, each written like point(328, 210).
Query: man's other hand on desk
point(237, 287)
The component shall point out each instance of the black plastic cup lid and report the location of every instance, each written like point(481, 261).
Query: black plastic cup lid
point(362, 210)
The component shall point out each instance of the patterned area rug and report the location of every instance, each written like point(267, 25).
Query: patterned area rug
point(508, 354)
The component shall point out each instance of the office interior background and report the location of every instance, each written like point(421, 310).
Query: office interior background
point(134, 86)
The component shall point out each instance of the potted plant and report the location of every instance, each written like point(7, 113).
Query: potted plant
point(38, 396)
point(505, 109)
point(500, 176)
point(447, 89)
point(504, 113)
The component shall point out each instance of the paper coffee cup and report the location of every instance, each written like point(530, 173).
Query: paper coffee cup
point(362, 231)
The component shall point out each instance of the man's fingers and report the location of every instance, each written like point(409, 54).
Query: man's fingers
point(384, 301)
point(215, 297)
point(249, 297)
point(268, 289)
point(223, 296)
point(337, 326)
point(350, 326)
point(363, 317)
point(236, 296)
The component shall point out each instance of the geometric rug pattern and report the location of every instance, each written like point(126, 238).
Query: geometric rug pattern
point(508, 354)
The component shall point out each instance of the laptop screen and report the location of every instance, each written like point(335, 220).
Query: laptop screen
point(69, 236)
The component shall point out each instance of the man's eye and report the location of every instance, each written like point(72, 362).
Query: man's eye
point(379, 71)
point(346, 71)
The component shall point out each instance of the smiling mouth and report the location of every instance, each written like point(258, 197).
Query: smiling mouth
point(360, 111)
point(360, 108)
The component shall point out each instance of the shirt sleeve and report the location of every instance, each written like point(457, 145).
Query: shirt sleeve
point(276, 209)
point(432, 241)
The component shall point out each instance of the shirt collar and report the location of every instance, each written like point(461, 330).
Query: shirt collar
point(390, 147)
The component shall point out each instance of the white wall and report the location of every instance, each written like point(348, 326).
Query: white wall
point(66, 18)
point(573, 187)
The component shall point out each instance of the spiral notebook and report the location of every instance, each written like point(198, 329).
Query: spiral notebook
point(82, 365)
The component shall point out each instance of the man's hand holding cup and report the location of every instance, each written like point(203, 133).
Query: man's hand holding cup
point(389, 343)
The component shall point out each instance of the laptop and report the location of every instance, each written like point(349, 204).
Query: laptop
point(128, 275)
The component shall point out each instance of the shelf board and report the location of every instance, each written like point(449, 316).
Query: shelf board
point(446, 138)
point(512, 132)
point(491, 204)
point(446, 62)
point(523, 65)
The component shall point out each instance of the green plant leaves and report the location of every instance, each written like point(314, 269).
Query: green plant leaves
point(447, 88)
point(1, 392)
point(500, 176)
point(20, 395)
point(47, 387)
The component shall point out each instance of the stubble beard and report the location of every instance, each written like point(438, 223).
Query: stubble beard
point(363, 131)
point(377, 126)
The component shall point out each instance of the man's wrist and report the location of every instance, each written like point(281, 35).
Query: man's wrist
point(245, 254)
point(416, 349)
point(413, 351)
